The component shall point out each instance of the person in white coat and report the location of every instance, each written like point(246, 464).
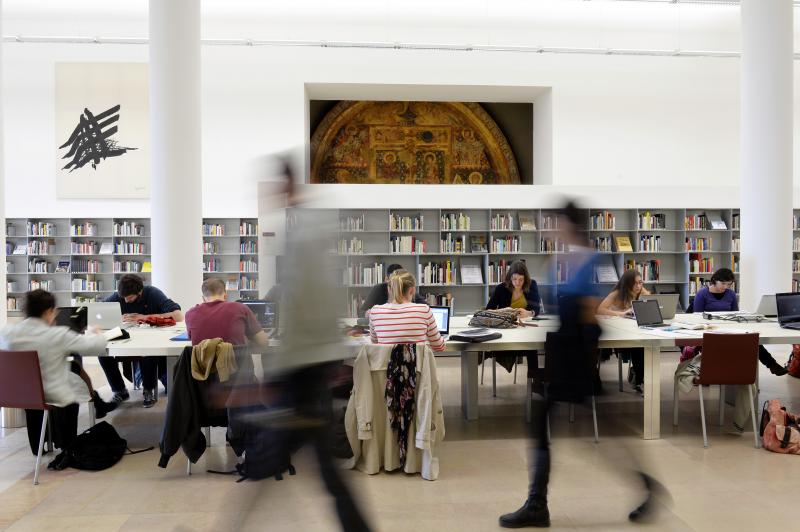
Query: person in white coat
point(65, 383)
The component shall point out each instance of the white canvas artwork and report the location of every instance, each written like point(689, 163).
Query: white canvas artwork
point(101, 130)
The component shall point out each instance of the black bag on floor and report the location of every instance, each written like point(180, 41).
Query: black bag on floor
point(97, 448)
point(267, 452)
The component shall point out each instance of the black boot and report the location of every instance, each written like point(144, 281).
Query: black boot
point(101, 408)
point(532, 514)
point(766, 359)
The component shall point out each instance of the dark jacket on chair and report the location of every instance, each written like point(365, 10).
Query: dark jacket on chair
point(501, 298)
point(184, 419)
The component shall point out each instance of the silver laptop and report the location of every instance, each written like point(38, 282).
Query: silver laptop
point(667, 303)
point(104, 316)
point(767, 306)
point(442, 317)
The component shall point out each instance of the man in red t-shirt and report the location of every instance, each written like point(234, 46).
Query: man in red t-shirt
point(218, 318)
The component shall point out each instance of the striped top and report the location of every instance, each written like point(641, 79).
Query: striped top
point(406, 323)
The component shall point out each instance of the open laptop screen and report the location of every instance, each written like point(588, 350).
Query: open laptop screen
point(442, 317)
point(788, 307)
point(647, 313)
point(265, 312)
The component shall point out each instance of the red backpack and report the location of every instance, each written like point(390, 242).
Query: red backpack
point(779, 430)
point(793, 365)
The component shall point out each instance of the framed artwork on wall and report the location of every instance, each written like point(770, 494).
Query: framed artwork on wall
point(101, 130)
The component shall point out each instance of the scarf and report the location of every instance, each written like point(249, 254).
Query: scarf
point(401, 383)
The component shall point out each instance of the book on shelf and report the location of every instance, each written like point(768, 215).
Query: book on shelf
point(604, 270)
point(232, 284)
point(526, 222)
point(715, 221)
point(478, 244)
point(63, 266)
point(648, 220)
point(471, 274)
point(623, 243)
point(20, 249)
point(106, 248)
point(147, 267)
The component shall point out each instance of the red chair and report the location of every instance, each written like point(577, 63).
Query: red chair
point(21, 387)
point(728, 359)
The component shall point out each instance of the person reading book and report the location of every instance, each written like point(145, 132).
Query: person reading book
point(619, 302)
point(517, 292)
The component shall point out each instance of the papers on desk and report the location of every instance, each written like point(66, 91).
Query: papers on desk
point(182, 337)
point(669, 332)
point(115, 334)
point(678, 325)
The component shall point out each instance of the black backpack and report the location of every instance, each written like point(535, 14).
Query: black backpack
point(97, 448)
point(267, 452)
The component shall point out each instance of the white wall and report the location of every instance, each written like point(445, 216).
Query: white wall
point(616, 120)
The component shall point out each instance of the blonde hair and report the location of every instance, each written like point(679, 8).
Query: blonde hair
point(400, 282)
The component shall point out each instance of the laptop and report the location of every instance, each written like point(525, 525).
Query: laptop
point(442, 317)
point(72, 317)
point(104, 316)
point(767, 306)
point(667, 303)
point(648, 314)
point(788, 307)
point(264, 312)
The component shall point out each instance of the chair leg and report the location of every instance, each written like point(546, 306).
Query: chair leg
point(675, 404)
point(494, 376)
point(42, 432)
point(753, 415)
point(208, 436)
point(594, 420)
point(188, 467)
point(50, 447)
point(619, 369)
point(572, 412)
point(92, 418)
point(528, 400)
point(483, 366)
point(721, 405)
point(516, 364)
point(703, 416)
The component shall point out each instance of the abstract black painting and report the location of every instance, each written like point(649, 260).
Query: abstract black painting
point(91, 142)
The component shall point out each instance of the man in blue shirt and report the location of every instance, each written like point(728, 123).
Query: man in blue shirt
point(138, 301)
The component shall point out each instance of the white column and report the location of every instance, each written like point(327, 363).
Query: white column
point(766, 149)
point(3, 278)
point(175, 183)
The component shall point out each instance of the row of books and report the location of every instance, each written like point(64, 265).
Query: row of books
point(603, 220)
point(647, 220)
point(502, 222)
point(352, 223)
point(37, 247)
point(453, 221)
point(41, 229)
point(795, 265)
point(213, 229)
point(363, 274)
point(39, 266)
point(498, 270)
point(508, 244)
point(453, 244)
point(549, 222)
point(211, 247)
point(86, 285)
point(249, 283)
point(212, 265)
point(353, 246)
point(248, 246)
point(128, 229)
point(649, 243)
point(602, 243)
point(795, 285)
point(130, 266)
point(796, 244)
point(702, 222)
point(736, 221)
point(552, 245)
point(698, 264)
point(85, 265)
point(83, 299)
point(406, 223)
point(406, 244)
point(736, 244)
point(248, 229)
point(248, 266)
point(436, 273)
point(129, 248)
point(562, 271)
point(649, 270)
point(84, 229)
point(735, 264)
point(699, 243)
point(439, 300)
point(37, 284)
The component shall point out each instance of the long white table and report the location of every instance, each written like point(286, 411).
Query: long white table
point(617, 333)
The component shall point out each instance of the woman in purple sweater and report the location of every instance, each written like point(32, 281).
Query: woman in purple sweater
point(718, 297)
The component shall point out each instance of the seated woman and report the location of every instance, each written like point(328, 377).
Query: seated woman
point(65, 383)
point(400, 321)
point(519, 292)
point(619, 302)
point(718, 297)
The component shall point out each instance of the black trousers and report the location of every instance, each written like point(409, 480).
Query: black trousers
point(636, 355)
point(149, 367)
point(308, 393)
point(63, 422)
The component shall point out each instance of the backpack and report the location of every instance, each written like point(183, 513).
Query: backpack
point(779, 429)
point(793, 364)
point(494, 319)
point(267, 452)
point(97, 448)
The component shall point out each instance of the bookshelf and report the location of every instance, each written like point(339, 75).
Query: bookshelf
point(81, 259)
point(675, 249)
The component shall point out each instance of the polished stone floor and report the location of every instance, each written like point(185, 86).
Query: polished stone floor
point(730, 486)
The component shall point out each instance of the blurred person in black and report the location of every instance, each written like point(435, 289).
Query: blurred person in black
point(311, 350)
point(572, 377)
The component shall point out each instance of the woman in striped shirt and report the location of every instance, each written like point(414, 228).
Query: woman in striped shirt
point(400, 321)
